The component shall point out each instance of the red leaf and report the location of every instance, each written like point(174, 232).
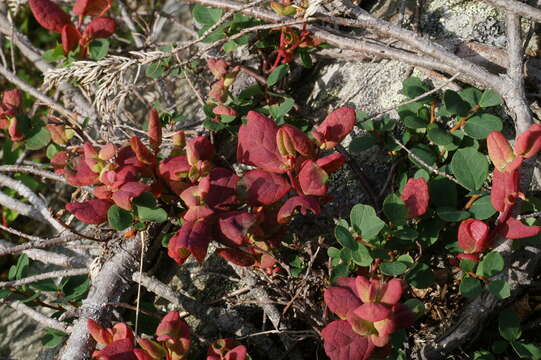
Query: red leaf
point(122, 331)
point(224, 110)
point(100, 28)
point(49, 15)
point(152, 348)
point(173, 330)
point(100, 334)
point(416, 196)
point(291, 141)
point(257, 144)
point(341, 300)
point(331, 162)
point(154, 129)
point(218, 92)
point(301, 203)
point(312, 179)
point(141, 354)
point(342, 343)
point(505, 188)
point(528, 143)
point(11, 99)
point(336, 126)
point(514, 229)
point(473, 236)
point(174, 168)
point(372, 311)
point(235, 225)
point(70, 38)
point(107, 152)
point(91, 211)
point(501, 153)
point(237, 353)
point(118, 350)
point(391, 292)
point(83, 176)
point(127, 192)
point(199, 148)
point(91, 7)
point(58, 133)
point(223, 188)
point(217, 67)
point(141, 151)
point(192, 238)
point(14, 130)
point(236, 256)
point(262, 187)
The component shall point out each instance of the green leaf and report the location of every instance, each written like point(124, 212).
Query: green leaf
point(395, 209)
point(479, 126)
point(421, 276)
point(452, 215)
point(230, 46)
point(470, 168)
point(500, 289)
point(75, 288)
point(491, 265)
point(509, 325)
point(155, 70)
point(99, 49)
point(53, 338)
point(345, 254)
point(118, 218)
point(213, 126)
point(526, 351)
point(38, 138)
point(482, 208)
point(471, 95)
point(365, 221)
point(52, 150)
point(333, 252)
point(393, 268)
point(361, 256)
point(425, 153)
point(279, 111)
point(413, 87)
point(470, 287)
point(306, 59)
point(344, 237)
point(277, 74)
point(151, 215)
point(467, 265)
point(416, 306)
point(454, 103)
point(339, 271)
point(205, 15)
point(54, 54)
point(4, 293)
point(18, 271)
point(44, 285)
point(483, 355)
point(362, 143)
point(439, 136)
point(490, 98)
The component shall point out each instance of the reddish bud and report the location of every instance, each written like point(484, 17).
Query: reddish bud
point(70, 38)
point(416, 196)
point(473, 236)
point(217, 67)
point(154, 129)
point(336, 126)
point(11, 99)
point(505, 188)
point(501, 153)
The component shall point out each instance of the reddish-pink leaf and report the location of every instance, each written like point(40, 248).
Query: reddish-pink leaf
point(342, 343)
point(341, 300)
point(291, 141)
point(91, 211)
point(11, 99)
point(331, 162)
point(100, 334)
point(107, 152)
point(152, 348)
point(154, 129)
point(262, 187)
point(122, 331)
point(70, 38)
point(257, 144)
point(223, 188)
point(192, 238)
point(15, 133)
point(236, 256)
point(199, 148)
point(49, 15)
point(100, 28)
point(83, 176)
point(473, 236)
point(143, 154)
point(505, 188)
point(528, 143)
point(514, 229)
point(391, 292)
point(175, 332)
point(218, 91)
point(416, 197)
point(91, 7)
point(312, 179)
point(127, 192)
point(500, 152)
point(217, 67)
point(237, 353)
point(174, 168)
point(58, 133)
point(336, 126)
point(372, 311)
point(235, 225)
point(118, 350)
point(141, 354)
point(224, 110)
point(300, 203)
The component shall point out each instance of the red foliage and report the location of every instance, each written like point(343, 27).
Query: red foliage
point(49, 15)
point(416, 196)
point(473, 236)
point(336, 126)
point(91, 211)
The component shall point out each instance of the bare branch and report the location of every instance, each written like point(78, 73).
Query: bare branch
point(518, 8)
point(47, 257)
point(36, 315)
point(44, 276)
point(32, 170)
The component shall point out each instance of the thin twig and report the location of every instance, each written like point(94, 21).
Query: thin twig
point(44, 276)
point(36, 315)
